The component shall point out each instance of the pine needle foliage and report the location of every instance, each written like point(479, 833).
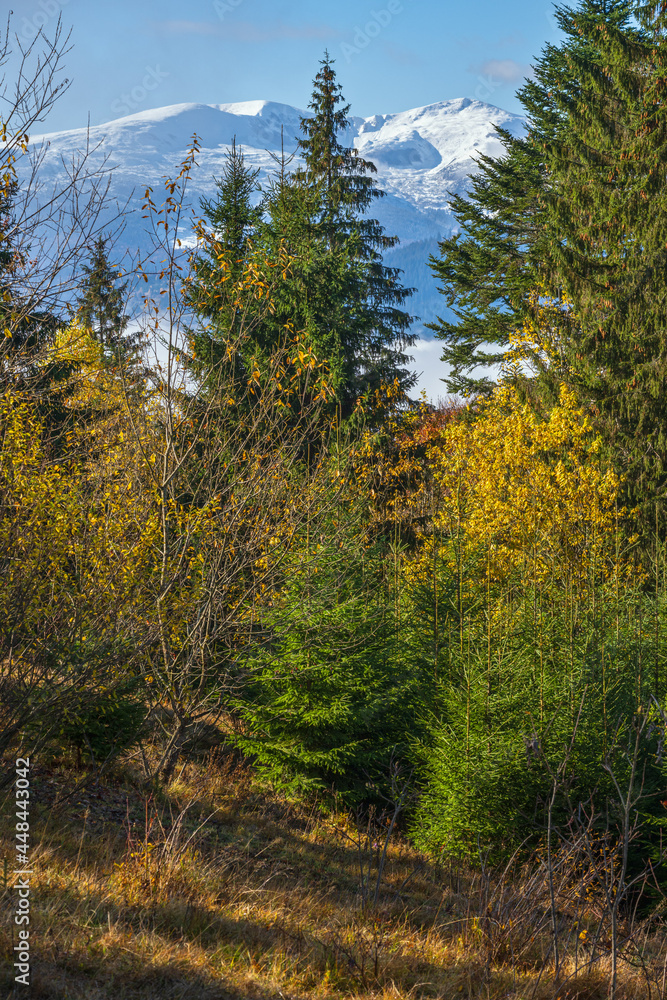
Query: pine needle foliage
point(232, 219)
point(490, 269)
point(607, 217)
point(335, 698)
point(344, 183)
point(336, 294)
point(550, 699)
point(545, 651)
point(572, 218)
point(101, 306)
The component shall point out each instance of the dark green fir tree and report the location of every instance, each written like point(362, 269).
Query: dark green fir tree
point(496, 270)
point(101, 306)
point(332, 697)
point(575, 213)
point(315, 300)
point(337, 294)
point(232, 217)
point(374, 329)
point(607, 226)
point(28, 330)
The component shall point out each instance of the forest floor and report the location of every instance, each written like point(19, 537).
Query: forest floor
point(217, 888)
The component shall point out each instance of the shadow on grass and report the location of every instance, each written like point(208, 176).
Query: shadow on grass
point(90, 948)
point(159, 982)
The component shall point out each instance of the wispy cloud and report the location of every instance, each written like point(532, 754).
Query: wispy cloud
point(503, 70)
point(400, 55)
point(510, 40)
point(247, 31)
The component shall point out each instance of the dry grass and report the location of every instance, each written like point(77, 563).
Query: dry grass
point(219, 890)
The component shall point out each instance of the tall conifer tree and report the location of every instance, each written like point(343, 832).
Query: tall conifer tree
point(233, 218)
point(495, 270)
point(607, 221)
point(375, 331)
point(315, 299)
point(337, 293)
point(26, 334)
point(101, 305)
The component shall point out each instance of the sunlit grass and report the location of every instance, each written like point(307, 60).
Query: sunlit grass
point(216, 888)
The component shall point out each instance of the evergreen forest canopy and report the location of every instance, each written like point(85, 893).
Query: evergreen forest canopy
point(259, 535)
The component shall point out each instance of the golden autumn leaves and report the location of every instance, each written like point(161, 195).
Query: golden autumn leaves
point(527, 492)
point(522, 492)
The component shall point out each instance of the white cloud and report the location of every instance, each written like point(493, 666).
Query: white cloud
point(430, 368)
point(504, 70)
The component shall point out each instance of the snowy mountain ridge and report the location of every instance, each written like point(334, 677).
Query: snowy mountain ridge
point(423, 156)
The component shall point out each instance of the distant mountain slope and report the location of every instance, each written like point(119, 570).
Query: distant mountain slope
point(423, 156)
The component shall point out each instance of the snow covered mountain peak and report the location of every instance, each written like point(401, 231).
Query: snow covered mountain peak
point(423, 156)
point(452, 128)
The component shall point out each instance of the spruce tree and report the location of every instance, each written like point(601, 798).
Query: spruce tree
point(245, 229)
point(232, 215)
point(336, 294)
point(332, 698)
point(575, 214)
point(316, 300)
point(101, 305)
point(27, 333)
point(375, 331)
point(489, 267)
point(233, 221)
point(495, 271)
point(607, 226)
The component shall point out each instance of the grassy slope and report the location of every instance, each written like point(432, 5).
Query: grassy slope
point(133, 898)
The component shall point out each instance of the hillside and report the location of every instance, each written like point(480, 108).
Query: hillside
point(217, 889)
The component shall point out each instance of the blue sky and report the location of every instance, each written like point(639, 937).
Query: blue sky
point(391, 55)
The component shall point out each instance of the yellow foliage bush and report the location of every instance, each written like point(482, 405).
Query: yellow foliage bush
point(518, 491)
point(36, 511)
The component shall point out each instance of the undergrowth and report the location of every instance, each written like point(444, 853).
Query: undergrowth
point(217, 888)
